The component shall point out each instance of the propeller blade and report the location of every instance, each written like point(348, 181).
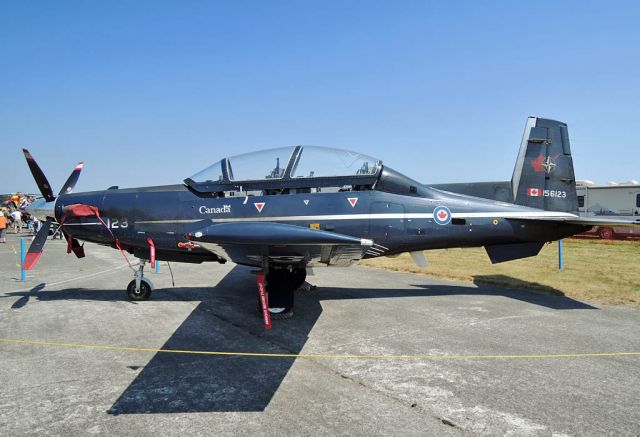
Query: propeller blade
point(73, 178)
point(38, 175)
point(37, 246)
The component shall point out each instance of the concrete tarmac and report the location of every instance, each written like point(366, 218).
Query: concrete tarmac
point(482, 380)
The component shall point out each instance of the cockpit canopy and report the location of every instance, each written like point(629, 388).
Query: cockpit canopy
point(288, 167)
point(292, 162)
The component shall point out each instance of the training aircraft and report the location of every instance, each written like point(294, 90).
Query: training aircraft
point(289, 209)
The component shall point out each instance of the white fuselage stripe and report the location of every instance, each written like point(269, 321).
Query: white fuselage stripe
point(460, 215)
point(83, 224)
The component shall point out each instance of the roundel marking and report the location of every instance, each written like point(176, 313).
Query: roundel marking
point(442, 215)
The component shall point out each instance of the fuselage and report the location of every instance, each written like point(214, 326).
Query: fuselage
point(395, 222)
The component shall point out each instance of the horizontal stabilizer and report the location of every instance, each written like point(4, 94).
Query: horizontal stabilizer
point(508, 252)
point(573, 219)
point(601, 221)
point(261, 233)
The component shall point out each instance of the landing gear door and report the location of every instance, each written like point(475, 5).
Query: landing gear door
point(387, 220)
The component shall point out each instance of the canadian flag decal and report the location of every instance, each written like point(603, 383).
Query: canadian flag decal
point(352, 201)
point(534, 192)
point(259, 206)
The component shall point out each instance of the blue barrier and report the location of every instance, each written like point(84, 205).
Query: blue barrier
point(23, 254)
point(560, 263)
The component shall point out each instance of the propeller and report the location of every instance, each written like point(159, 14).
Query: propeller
point(43, 183)
point(37, 245)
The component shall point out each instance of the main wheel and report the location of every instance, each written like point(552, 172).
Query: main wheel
point(142, 294)
point(281, 284)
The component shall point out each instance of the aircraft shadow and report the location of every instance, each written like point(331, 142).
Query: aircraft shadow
point(530, 292)
point(226, 319)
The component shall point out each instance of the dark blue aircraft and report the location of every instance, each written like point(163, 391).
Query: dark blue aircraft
point(285, 210)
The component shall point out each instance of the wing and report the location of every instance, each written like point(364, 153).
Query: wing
point(250, 242)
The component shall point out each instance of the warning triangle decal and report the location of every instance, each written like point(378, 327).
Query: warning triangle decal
point(306, 201)
point(259, 206)
point(352, 201)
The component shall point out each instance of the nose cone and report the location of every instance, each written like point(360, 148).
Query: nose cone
point(41, 209)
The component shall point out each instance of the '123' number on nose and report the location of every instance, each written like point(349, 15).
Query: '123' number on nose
point(117, 223)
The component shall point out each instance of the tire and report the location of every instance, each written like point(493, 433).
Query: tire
point(286, 313)
point(606, 233)
point(143, 294)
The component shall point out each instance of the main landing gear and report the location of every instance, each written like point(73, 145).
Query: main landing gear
point(140, 288)
point(281, 283)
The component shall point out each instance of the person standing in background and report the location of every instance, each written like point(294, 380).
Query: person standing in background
point(37, 224)
point(17, 221)
point(3, 228)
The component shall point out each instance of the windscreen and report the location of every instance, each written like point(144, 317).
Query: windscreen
point(212, 173)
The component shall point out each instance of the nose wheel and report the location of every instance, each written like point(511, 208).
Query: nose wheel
point(140, 288)
point(141, 293)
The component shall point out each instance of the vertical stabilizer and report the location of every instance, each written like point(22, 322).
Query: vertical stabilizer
point(543, 177)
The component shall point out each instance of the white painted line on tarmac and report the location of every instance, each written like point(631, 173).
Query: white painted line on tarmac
point(53, 284)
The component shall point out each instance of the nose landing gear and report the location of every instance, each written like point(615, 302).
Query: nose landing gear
point(140, 288)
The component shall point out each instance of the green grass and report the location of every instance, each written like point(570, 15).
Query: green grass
point(594, 270)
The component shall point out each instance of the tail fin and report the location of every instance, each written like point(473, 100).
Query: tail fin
point(543, 177)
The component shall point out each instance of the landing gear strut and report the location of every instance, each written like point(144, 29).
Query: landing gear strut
point(281, 283)
point(140, 288)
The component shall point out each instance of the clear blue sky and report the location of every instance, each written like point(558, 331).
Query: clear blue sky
point(150, 92)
